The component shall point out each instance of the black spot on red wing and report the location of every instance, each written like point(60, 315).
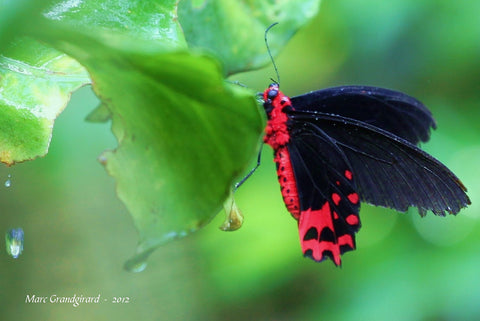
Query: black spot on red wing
point(345, 248)
point(327, 235)
point(308, 253)
point(312, 234)
point(328, 254)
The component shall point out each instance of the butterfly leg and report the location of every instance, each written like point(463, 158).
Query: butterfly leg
point(238, 184)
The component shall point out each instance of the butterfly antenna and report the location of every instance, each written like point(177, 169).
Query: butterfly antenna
point(270, 53)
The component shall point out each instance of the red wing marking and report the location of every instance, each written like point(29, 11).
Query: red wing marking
point(318, 237)
point(346, 239)
point(353, 198)
point(348, 175)
point(336, 198)
point(352, 219)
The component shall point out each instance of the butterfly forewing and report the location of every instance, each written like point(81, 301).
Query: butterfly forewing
point(400, 114)
point(389, 170)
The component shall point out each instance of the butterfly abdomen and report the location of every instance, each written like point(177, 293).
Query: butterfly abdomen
point(286, 178)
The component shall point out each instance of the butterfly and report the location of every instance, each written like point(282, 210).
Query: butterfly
point(337, 147)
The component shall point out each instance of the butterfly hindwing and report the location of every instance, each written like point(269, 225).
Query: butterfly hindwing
point(329, 203)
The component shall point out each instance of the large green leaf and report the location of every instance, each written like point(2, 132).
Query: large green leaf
point(37, 80)
point(233, 30)
point(183, 136)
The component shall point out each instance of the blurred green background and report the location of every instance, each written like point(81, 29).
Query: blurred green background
point(78, 234)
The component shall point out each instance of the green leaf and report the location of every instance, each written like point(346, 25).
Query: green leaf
point(36, 83)
point(183, 136)
point(234, 30)
point(183, 133)
point(17, 15)
point(148, 20)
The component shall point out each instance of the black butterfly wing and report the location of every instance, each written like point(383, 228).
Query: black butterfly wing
point(328, 200)
point(389, 170)
point(393, 111)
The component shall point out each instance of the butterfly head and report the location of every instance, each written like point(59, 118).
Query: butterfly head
point(274, 98)
point(270, 93)
point(269, 96)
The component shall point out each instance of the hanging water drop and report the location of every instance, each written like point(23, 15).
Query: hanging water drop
point(138, 267)
point(14, 242)
point(137, 263)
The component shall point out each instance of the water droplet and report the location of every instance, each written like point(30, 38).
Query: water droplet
point(8, 182)
point(138, 267)
point(14, 242)
point(138, 263)
point(234, 218)
point(102, 159)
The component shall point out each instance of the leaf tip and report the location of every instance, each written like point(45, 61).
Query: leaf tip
point(101, 114)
